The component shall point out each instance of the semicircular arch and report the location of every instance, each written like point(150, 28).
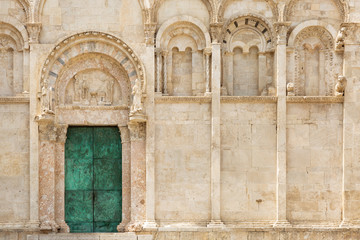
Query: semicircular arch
point(12, 27)
point(92, 42)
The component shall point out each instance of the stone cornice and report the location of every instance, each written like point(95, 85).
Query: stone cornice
point(6, 100)
point(182, 99)
point(248, 99)
point(314, 99)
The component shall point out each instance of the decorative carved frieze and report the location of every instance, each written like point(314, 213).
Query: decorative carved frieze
point(311, 99)
point(182, 99)
point(248, 99)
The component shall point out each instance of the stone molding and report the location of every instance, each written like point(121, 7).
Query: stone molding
point(21, 36)
point(6, 100)
point(314, 99)
point(182, 99)
point(137, 131)
point(248, 99)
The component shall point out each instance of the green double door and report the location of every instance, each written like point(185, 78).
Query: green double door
point(93, 196)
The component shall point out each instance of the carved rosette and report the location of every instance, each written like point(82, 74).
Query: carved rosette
point(34, 32)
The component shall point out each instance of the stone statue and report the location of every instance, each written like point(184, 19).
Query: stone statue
point(290, 88)
point(136, 106)
point(340, 38)
point(340, 86)
point(45, 98)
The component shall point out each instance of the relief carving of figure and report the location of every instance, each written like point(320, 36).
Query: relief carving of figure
point(340, 39)
point(137, 106)
point(340, 86)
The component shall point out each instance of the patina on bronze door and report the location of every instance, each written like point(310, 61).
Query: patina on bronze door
point(93, 195)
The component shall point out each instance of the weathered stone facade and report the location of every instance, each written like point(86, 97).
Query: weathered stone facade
point(239, 119)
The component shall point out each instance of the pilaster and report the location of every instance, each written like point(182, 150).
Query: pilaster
point(281, 204)
point(215, 138)
point(138, 176)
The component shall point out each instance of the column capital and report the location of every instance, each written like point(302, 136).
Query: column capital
point(207, 51)
point(34, 31)
point(281, 29)
point(47, 132)
point(164, 53)
point(150, 29)
point(215, 31)
point(125, 134)
point(61, 133)
point(137, 130)
point(158, 51)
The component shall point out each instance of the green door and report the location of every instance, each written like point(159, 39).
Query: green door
point(93, 196)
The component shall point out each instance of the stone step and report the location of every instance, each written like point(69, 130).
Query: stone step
point(90, 236)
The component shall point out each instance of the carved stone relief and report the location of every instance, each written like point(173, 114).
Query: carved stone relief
point(94, 88)
point(6, 67)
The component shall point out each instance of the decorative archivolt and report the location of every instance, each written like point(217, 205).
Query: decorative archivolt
point(248, 23)
point(97, 43)
point(224, 3)
point(342, 6)
point(308, 41)
point(26, 6)
point(13, 28)
point(184, 25)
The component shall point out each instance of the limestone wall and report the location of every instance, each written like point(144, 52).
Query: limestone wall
point(182, 170)
point(314, 162)
point(14, 163)
point(248, 162)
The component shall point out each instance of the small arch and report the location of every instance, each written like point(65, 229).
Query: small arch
point(15, 29)
point(224, 3)
point(180, 21)
point(310, 23)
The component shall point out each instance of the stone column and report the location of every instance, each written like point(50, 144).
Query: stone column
point(262, 71)
point(138, 175)
point(158, 71)
point(165, 69)
point(207, 54)
point(60, 178)
point(215, 137)
point(281, 30)
point(229, 72)
point(126, 178)
point(47, 155)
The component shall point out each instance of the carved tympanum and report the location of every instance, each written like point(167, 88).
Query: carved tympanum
point(94, 88)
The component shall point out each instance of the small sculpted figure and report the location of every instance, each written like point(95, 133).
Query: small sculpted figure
point(340, 86)
point(136, 107)
point(340, 39)
point(290, 89)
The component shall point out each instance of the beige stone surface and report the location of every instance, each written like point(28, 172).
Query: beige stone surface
point(215, 145)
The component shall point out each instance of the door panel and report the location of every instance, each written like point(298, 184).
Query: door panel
point(107, 174)
point(107, 142)
point(93, 179)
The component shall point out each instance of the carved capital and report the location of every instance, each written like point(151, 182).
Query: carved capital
point(61, 133)
point(125, 134)
point(164, 53)
point(150, 29)
point(281, 29)
point(47, 132)
point(207, 51)
point(137, 130)
point(34, 32)
point(215, 32)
